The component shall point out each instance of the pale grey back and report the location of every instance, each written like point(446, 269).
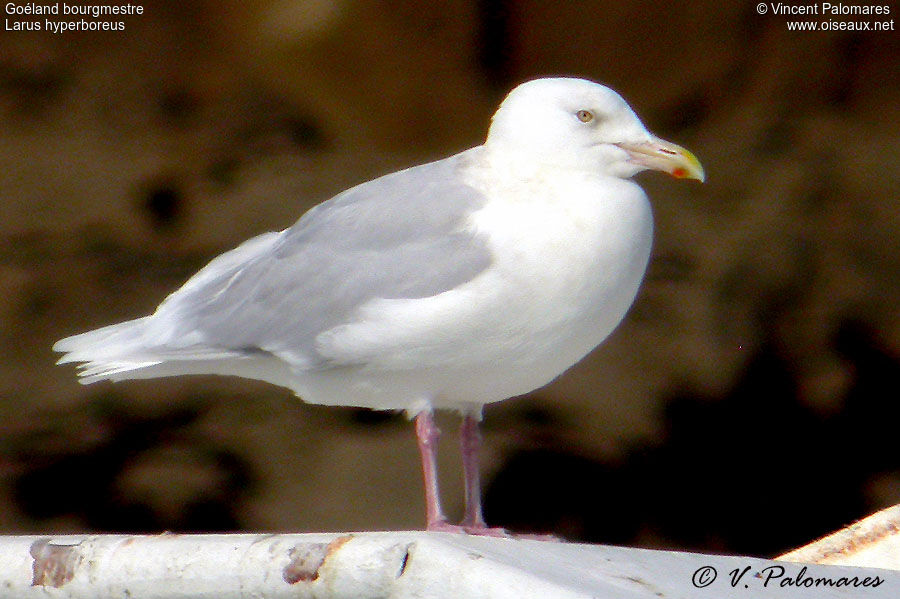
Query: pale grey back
point(403, 235)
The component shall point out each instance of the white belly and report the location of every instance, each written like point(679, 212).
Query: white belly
point(566, 269)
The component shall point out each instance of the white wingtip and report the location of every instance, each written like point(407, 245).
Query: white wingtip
point(107, 351)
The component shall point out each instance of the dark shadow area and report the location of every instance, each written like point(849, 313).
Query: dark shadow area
point(753, 472)
point(87, 479)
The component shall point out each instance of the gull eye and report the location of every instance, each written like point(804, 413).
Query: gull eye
point(585, 116)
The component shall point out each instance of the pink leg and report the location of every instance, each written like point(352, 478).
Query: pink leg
point(470, 442)
point(427, 434)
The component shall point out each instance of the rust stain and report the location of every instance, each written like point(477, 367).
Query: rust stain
point(54, 565)
point(643, 583)
point(307, 559)
point(850, 540)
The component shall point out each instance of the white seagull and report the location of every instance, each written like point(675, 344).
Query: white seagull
point(450, 285)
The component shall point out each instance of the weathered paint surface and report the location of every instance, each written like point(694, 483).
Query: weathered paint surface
point(54, 565)
point(308, 558)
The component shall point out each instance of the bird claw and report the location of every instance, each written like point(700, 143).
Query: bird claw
point(469, 529)
point(482, 530)
point(486, 531)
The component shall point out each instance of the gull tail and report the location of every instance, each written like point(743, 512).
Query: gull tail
point(114, 352)
point(131, 350)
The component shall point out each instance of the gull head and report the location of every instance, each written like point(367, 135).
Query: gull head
point(581, 125)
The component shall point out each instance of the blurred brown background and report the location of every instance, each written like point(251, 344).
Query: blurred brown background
point(748, 403)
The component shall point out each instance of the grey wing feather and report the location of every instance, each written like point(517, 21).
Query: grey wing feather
point(400, 236)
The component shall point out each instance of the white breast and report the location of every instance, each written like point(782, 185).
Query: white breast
point(568, 258)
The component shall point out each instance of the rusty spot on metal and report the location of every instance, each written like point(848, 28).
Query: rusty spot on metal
point(643, 583)
point(54, 565)
point(845, 543)
point(307, 559)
